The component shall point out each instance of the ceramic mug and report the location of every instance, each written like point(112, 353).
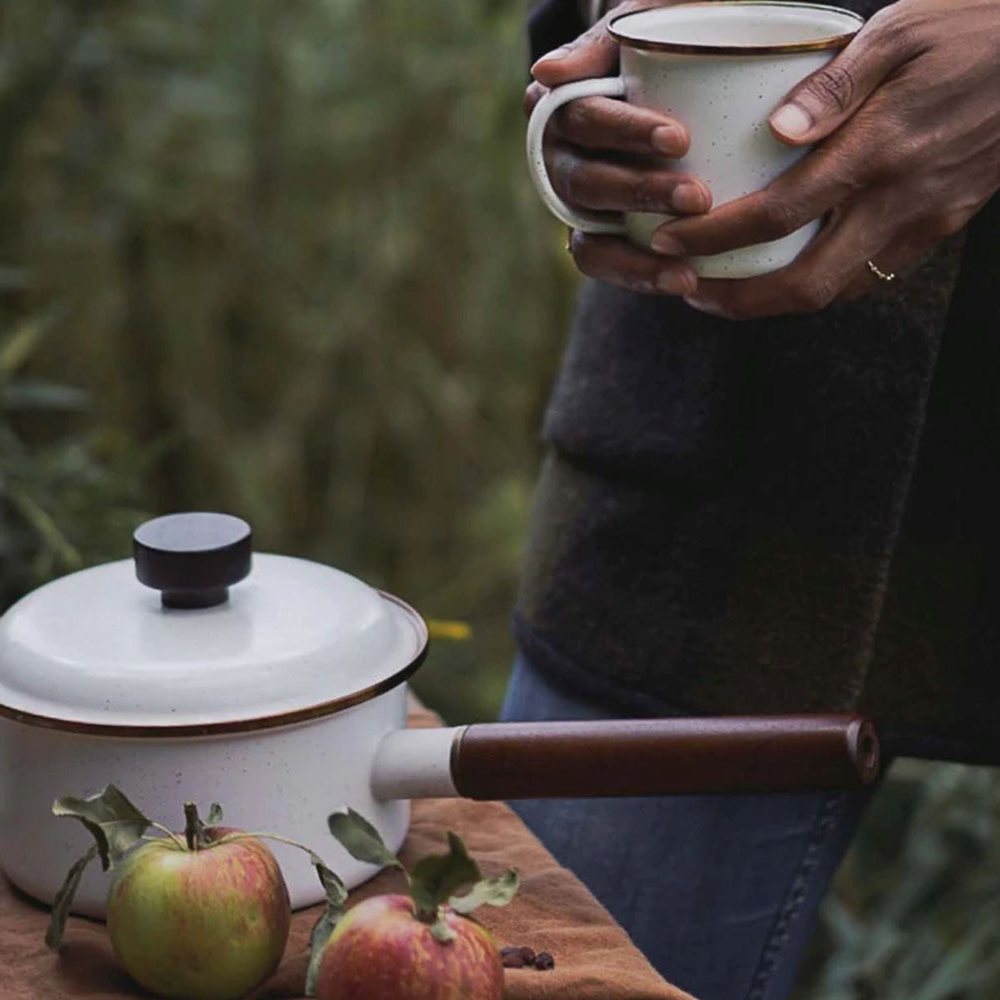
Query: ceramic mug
point(721, 68)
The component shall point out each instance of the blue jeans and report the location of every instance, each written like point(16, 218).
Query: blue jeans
point(719, 892)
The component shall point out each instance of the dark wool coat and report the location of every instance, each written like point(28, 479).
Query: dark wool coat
point(787, 514)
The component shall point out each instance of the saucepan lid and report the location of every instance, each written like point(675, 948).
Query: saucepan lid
point(198, 634)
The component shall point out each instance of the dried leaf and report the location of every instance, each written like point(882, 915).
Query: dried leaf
point(115, 823)
point(64, 899)
point(488, 892)
point(435, 877)
point(321, 932)
point(336, 891)
point(361, 840)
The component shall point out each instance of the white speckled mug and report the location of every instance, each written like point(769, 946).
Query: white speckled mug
point(720, 68)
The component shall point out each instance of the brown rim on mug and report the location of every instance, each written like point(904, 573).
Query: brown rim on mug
point(707, 49)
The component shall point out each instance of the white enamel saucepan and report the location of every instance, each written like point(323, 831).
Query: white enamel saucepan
point(281, 693)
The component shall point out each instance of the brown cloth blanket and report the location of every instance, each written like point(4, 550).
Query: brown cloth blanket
point(594, 958)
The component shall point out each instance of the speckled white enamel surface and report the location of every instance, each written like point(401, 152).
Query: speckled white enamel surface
point(97, 647)
point(284, 781)
point(724, 102)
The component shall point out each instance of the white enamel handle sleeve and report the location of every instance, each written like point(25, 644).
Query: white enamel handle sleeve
point(588, 222)
point(415, 764)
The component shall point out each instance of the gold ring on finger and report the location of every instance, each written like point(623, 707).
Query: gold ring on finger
point(879, 273)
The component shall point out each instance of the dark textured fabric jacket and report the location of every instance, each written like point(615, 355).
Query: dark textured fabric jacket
point(788, 514)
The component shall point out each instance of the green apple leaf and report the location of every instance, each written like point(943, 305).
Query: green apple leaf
point(441, 930)
point(214, 814)
point(336, 896)
point(64, 899)
point(497, 891)
point(361, 840)
point(435, 877)
point(115, 823)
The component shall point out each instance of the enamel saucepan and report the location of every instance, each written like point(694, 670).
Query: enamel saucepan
point(281, 694)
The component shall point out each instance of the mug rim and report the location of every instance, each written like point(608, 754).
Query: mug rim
point(707, 48)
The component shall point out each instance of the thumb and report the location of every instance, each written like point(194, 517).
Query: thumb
point(823, 101)
point(594, 53)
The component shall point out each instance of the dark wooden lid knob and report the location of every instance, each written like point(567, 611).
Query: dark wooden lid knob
point(193, 558)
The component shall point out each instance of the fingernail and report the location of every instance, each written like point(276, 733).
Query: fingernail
point(663, 242)
point(791, 121)
point(560, 53)
point(705, 306)
point(674, 282)
point(666, 139)
point(688, 198)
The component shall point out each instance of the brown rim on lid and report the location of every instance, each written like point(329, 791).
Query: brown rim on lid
point(248, 725)
point(698, 48)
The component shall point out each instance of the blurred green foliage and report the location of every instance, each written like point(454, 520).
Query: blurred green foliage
point(300, 258)
point(914, 914)
point(281, 257)
point(63, 503)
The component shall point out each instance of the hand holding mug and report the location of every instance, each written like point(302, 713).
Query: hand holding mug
point(711, 72)
point(910, 151)
point(909, 131)
point(604, 154)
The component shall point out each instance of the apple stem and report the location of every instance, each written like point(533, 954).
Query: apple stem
point(170, 833)
point(250, 835)
point(191, 825)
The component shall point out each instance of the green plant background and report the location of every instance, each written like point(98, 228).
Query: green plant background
point(281, 257)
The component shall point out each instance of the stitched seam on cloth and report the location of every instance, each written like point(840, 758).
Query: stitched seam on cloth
point(781, 931)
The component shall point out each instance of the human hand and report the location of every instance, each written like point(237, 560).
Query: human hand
point(910, 115)
point(605, 154)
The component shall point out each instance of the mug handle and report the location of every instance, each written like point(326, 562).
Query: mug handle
point(587, 222)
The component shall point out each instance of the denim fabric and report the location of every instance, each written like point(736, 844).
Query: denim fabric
point(719, 892)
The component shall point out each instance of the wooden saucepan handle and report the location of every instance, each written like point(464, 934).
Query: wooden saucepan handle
point(512, 760)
